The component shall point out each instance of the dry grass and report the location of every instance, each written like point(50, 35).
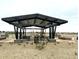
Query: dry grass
point(61, 50)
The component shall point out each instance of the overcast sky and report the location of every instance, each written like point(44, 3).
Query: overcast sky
point(64, 9)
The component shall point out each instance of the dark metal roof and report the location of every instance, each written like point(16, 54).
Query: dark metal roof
point(38, 20)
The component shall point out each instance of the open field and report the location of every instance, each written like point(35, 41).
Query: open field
point(60, 50)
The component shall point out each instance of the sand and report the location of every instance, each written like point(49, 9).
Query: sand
point(60, 50)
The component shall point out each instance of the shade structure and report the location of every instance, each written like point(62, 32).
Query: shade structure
point(38, 20)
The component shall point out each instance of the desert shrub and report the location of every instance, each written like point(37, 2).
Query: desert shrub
point(19, 43)
point(24, 45)
point(40, 46)
point(31, 43)
point(0, 45)
point(75, 53)
point(7, 35)
point(11, 43)
point(57, 42)
point(54, 43)
point(26, 42)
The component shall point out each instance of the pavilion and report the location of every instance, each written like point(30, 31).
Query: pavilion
point(21, 23)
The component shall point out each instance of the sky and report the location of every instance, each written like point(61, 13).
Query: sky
point(63, 9)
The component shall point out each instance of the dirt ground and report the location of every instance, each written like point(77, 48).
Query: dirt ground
point(59, 50)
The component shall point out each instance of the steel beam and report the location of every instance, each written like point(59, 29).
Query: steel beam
point(50, 33)
point(16, 32)
point(25, 31)
point(53, 32)
point(20, 34)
